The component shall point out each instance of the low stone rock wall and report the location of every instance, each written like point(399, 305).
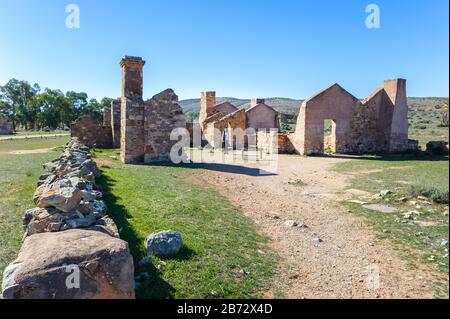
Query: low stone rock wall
point(71, 247)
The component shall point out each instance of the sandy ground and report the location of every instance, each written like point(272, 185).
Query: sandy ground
point(337, 254)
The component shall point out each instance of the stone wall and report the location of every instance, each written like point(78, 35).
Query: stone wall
point(89, 132)
point(377, 124)
point(146, 126)
point(5, 126)
point(69, 232)
point(107, 117)
point(162, 116)
point(115, 123)
point(262, 116)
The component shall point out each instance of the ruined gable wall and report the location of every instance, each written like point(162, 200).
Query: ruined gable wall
point(334, 103)
point(262, 117)
point(226, 108)
point(162, 116)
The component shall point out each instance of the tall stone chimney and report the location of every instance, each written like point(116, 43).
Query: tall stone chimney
point(207, 104)
point(256, 101)
point(396, 90)
point(132, 111)
point(132, 77)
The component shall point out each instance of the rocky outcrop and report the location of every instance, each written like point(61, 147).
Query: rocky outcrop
point(70, 226)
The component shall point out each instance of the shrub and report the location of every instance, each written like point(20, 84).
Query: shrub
point(439, 196)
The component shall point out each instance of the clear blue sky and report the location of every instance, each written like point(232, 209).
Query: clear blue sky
point(240, 48)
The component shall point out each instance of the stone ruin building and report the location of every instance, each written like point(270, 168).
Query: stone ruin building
point(219, 122)
point(377, 124)
point(6, 127)
point(140, 128)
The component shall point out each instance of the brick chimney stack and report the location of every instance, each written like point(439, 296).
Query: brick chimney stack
point(132, 77)
point(256, 101)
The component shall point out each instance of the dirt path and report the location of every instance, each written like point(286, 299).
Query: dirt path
point(26, 152)
point(337, 255)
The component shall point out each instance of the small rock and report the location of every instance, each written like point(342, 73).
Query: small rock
point(164, 244)
point(444, 242)
point(291, 223)
point(384, 193)
point(318, 240)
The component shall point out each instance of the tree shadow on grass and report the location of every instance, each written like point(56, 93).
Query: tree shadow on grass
point(154, 286)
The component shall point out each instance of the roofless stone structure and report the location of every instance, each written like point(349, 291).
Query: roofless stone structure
point(146, 125)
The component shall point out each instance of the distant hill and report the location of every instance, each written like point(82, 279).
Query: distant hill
point(291, 106)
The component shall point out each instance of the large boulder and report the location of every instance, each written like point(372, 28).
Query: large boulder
point(164, 244)
point(438, 148)
point(47, 264)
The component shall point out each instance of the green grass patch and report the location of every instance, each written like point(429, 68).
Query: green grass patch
point(223, 256)
point(421, 238)
point(18, 177)
point(32, 143)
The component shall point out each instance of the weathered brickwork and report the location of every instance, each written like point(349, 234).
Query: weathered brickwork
point(89, 132)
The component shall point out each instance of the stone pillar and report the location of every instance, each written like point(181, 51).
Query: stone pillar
point(107, 117)
point(132, 77)
point(115, 123)
point(207, 104)
point(132, 111)
point(256, 101)
point(396, 90)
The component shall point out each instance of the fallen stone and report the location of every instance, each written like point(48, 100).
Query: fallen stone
point(385, 193)
point(355, 201)
point(164, 244)
point(46, 262)
point(291, 223)
point(81, 222)
point(64, 199)
point(381, 208)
